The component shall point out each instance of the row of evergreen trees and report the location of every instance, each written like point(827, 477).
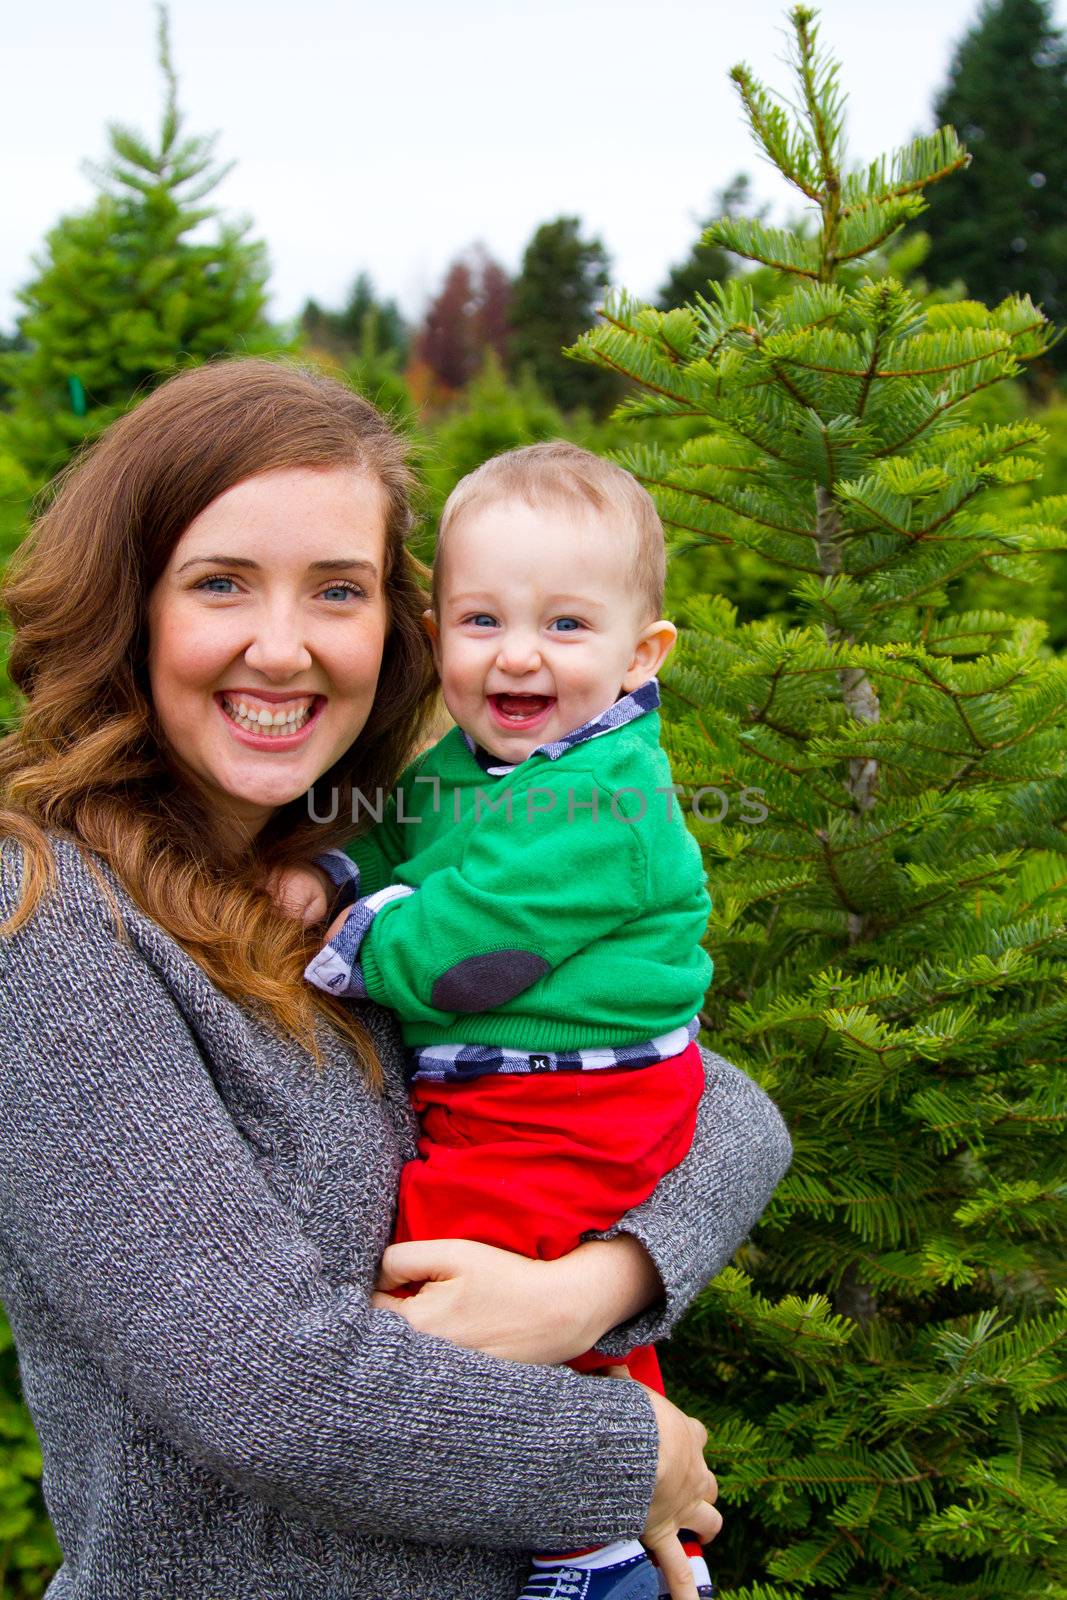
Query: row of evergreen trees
point(128, 289)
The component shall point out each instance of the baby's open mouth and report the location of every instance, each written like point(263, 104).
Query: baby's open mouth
point(520, 709)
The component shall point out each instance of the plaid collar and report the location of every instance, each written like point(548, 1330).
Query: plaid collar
point(637, 704)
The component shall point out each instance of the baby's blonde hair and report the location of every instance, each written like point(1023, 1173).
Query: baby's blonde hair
point(560, 473)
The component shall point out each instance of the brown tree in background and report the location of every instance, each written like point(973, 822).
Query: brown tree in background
point(466, 319)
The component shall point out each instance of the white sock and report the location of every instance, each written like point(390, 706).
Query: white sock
point(697, 1566)
point(609, 1555)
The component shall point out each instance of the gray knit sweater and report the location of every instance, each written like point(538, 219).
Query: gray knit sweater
point(190, 1219)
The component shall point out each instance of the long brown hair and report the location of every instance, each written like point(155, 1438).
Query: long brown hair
point(88, 758)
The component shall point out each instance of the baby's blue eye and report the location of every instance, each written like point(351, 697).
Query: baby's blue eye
point(482, 619)
point(567, 624)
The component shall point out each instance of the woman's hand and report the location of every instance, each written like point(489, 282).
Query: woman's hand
point(684, 1496)
point(480, 1297)
point(542, 1312)
point(300, 892)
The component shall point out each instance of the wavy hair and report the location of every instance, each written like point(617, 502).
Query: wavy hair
point(88, 757)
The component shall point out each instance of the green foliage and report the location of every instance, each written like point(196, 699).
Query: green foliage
point(554, 297)
point(494, 415)
point(28, 1549)
point(363, 319)
point(16, 494)
point(881, 1373)
point(1001, 228)
point(123, 297)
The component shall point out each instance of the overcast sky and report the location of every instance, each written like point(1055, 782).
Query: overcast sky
point(390, 138)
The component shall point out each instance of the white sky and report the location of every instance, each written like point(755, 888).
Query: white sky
point(390, 138)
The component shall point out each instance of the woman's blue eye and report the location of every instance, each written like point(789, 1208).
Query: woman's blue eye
point(568, 624)
point(208, 583)
point(343, 589)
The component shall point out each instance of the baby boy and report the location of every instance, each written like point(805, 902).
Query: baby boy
point(531, 904)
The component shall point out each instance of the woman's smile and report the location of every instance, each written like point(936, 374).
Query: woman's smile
point(267, 721)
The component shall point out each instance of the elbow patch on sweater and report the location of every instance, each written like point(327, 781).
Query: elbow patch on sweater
point(481, 982)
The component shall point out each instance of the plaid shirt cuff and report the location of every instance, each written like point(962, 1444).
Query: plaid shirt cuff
point(344, 875)
point(336, 967)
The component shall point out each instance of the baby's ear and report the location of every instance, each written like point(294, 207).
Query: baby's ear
point(654, 644)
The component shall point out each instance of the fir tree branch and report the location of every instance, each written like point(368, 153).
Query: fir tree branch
point(868, 373)
point(858, 692)
point(868, 245)
point(803, 21)
point(900, 191)
point(830, 863)
point(716, 500)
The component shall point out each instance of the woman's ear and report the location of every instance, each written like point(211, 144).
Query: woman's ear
point(654, 644)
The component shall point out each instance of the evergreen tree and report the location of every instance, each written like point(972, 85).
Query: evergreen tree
point(880, 1370)
point(124, 297)
point(706, 263)
point(1001, 228)
point(364, 318)
point(556, 295)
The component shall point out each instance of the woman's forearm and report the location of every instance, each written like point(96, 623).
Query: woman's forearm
point(602, 1284)
point(701, 1212)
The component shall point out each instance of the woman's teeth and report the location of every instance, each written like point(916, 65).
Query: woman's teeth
point(273, 724)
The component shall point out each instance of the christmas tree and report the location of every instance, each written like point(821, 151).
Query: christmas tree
point(883, 806)
point(1001, 227)
point(553, 298)
point(124, 296)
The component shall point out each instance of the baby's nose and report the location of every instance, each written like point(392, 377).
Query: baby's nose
point(519, 655)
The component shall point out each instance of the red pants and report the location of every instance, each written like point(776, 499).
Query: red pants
point(531, 1163)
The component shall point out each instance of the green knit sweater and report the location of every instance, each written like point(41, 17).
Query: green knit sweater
point(558, 907)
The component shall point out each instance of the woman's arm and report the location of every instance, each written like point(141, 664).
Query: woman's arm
point(699, 1214)
point(635, 1280)
point(128, 1196)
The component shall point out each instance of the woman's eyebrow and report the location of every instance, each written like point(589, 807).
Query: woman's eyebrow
point(329, 564)
point(337, 563)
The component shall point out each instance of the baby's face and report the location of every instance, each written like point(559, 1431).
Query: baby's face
point(540, 626)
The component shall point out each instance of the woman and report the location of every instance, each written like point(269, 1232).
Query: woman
point(198, 1153)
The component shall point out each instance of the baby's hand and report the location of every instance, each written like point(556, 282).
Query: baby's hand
point(301, 892)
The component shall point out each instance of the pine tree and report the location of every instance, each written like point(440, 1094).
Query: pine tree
point(124, 297)
point(706, 263)
point(1002, 227)
point(345, 333)
point(556, 294)
point(880, 1370)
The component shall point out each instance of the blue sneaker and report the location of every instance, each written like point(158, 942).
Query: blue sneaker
point(626, 1580)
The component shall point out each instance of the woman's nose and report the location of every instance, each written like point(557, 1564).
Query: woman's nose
point(279, 649)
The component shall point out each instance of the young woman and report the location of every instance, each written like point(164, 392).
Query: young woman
point(217, 632)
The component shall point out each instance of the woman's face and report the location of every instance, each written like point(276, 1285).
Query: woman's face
point(266, 633)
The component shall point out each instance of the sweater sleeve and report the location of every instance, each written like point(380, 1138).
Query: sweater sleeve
point(128, 1195)
point(517, 905)
point(378, 852)
point(700, 1212)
